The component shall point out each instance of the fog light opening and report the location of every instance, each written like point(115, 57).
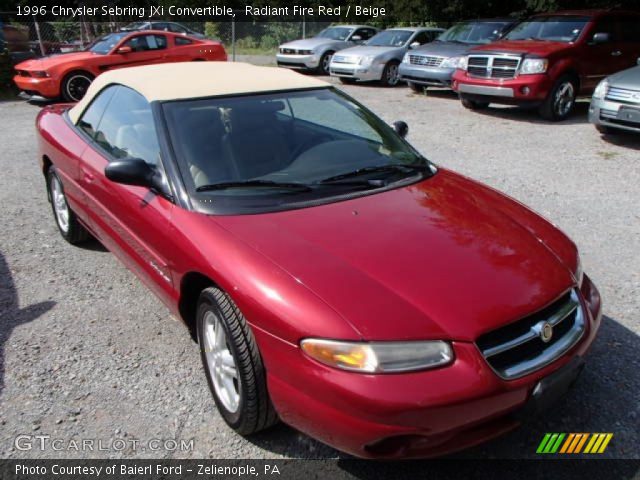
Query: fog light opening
point(525, 90)
point(397, 446)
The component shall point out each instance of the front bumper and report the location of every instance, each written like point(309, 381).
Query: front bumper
point(361, 73)
point(417, 414)
point(612, 114)
point(298, 62)
point(430, 76)
point(521, 90)
point(45, 87)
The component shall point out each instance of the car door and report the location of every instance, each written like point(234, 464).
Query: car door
point(629, 33)
point(131, 221)
point(601, 59)
point(146, 49)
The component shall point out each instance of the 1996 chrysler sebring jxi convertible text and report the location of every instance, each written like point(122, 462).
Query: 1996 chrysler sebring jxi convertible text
point(334, 277)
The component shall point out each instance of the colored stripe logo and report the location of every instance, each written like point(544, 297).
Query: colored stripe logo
point(593, 443)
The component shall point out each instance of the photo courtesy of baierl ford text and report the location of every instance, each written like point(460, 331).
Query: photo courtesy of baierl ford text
point(321, 239)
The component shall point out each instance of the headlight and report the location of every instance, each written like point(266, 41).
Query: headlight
point(39, 74)
point(405, 59)
point(454, 62)
point(601, 90)
point(366, 60)
point(531, 66)
point(378, 357)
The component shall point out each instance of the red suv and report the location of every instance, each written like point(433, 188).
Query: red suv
point(549, 60)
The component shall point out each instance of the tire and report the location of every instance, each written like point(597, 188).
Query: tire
point(347, 81)
point(606, 130)
point(325, 61)
point(232, 364)
point(416, 87)
point(68, 225)
point(74, 85)
point(561, 99)
point(390, 76)
point(473, 104)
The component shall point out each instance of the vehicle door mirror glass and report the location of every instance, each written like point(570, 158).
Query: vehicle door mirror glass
point(124, 50)
point(401, 128)
point(600, 38)
point(132, 171)
point(414, 45)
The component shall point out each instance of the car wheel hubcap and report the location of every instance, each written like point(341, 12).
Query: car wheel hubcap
point(60, 206)
point(77, 87)
point(392, 75)
point(221, 364)
point(326, 62)
point(564, 98)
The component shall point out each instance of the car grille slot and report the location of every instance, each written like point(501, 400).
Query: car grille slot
point(427, 61)
point(519, 348)
point(493, 66)
point(623, 95)
point(342, 59)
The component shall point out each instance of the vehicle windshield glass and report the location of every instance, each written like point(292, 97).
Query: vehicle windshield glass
point(552, 28)
point(335, 33)
point(474, 32)
point(103, 45)
point(390, 38)
point(271, 151)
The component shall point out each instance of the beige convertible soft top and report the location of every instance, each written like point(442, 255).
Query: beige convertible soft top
point(175, 81)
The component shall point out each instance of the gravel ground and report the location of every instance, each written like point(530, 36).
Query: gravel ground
point(88, 352)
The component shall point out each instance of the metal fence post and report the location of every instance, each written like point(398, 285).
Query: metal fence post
point(42, 51)
point(233, 39)
point(304, 27)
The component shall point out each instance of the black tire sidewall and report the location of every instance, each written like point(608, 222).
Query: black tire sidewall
point(321, 69)
point(65, 81)
point(548, 111)
point(385, 73)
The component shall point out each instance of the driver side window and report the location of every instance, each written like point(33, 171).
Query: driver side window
point(143, 43)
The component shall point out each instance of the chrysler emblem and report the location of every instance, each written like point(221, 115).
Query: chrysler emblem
point(546, 332)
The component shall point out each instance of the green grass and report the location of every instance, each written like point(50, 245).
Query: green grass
point(252, 51)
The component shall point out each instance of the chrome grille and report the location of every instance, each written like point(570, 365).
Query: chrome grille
point(343, 59)
point(493, 66)
point(623, 95)
point(521, 347)
point(427, 61)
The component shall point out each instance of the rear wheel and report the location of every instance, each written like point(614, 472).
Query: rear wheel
point(560, 102)
point(390, 77)
point(68, 225)
point(416, 87)
point(233, 364)
point(473, 104)
point(75, 86)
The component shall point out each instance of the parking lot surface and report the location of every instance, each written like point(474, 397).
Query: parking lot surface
point(89, 353)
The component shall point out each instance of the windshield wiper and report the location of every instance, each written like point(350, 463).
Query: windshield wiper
point(300, 187)
point(393, 168)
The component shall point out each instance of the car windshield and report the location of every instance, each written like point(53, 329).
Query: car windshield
point(103, 45)
point(474, 32)
point(390, 38)
point(552, 28)
point(282, 150)
point(335, 33)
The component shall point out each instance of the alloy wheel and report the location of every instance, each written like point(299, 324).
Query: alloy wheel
point(392, 74)
point(564, 98)
point(77, 86)
point(326, 61)
point(60, 206)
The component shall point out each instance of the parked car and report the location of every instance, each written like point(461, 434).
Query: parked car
point(172, 27)
point(615, 104)
point(15, 39)
point(69, 75)
point(433, 64)
point(549, 60)
point(379, 57)
point(315, 53)
point(334, 277)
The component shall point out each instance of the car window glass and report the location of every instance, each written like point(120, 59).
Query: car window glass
point(90, 119)
point(423, 37)
point(628, 29)
point(142, 43)
point(173, 27)
point(127, 129)
point(365, 33)
point(183, 41)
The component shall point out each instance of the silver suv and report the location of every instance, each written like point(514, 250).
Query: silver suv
point(616, 102)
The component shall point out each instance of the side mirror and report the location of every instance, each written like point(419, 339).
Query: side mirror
point(356, 38)
point(133, 171)
point(401, 128)
point(600, 38)
point(638, 61)
point(124, 50)
point(414, 45)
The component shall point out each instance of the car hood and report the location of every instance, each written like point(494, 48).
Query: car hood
point(529, 47)
point(629, 78)
point(444, 258)
point(50, 61)
point(443, 49)
point(364, 50)
point(309, 43)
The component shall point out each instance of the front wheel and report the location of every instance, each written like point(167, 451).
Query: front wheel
point(390, 77)
point(473, 104)
point(68, 225)
point(75, 86)
point(560, 102)
point(233, 365)
point(325, 61)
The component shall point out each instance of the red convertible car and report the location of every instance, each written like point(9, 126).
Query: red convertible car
point(69, 75)
point(334, 278)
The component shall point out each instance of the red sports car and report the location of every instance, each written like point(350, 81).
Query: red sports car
point(69, 75)
point(334, 278)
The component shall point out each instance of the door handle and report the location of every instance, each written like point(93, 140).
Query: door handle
point(89, 177)
point(616, 53)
